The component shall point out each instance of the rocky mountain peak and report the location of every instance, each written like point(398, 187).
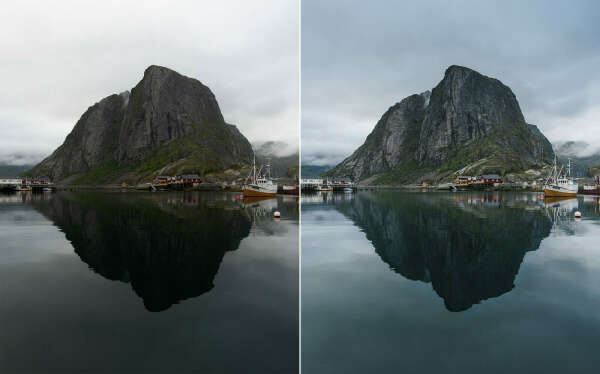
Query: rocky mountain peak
point(468, 118)
point(167, 117)
point(166, 106)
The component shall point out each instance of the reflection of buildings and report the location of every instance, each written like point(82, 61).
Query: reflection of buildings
point(468, 248)
point(325, 197)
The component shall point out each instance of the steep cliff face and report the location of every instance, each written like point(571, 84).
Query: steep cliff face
point(464, 107)
point(164, 106)
point(168, 122)
point(92, 141)
point(468, 123)
point(394, 139)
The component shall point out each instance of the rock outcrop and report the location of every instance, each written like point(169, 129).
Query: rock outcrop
point(168, 120)
point(468, 121)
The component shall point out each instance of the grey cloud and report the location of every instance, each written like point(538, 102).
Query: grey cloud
point(60, 58)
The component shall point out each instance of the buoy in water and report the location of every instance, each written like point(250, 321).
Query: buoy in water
point(577, 214)
point(276, 214)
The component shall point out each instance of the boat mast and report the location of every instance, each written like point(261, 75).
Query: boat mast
point(268, 166)
point(254, 165)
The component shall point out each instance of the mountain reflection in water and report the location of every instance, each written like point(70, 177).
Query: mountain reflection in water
point(169, 247)
point(469, 246)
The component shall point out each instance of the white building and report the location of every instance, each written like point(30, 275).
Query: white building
point(311, 181)
point(10, 181)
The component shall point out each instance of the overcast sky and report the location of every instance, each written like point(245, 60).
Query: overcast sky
point(361, 57)
point(59, 58)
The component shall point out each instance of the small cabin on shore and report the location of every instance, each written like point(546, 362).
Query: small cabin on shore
point(188, 178)
point(162, 179)
point(491, 178)
point(10, 181)
point(311, 181)
point(464, 179)
point(342, 182)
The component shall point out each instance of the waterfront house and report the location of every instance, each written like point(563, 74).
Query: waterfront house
point(342, 181)
point(188, 178)
point(491, 178)
point(463, 179)
point(310, 183)
point(162, 179)
point(9, 181)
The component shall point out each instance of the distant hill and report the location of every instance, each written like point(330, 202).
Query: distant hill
point(468, 124)
point(583, 156)
point(314, 170)
point(283, 163)
point(13, 170)
point(168, 124)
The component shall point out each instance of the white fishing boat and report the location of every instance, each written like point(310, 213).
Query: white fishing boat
point(559, 185)
point(348, 190)
point(259, 184)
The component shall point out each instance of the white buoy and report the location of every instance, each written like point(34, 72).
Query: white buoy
point(276, 214)
point(578, 214)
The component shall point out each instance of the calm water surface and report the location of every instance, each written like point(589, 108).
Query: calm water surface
point(148, 282)
point(450, 282)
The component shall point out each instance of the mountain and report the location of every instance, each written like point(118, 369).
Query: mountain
point(314, 170)
point(467, 124)
point(13, 170)
point(283, 163)
point(583, 156)
point(167, 124)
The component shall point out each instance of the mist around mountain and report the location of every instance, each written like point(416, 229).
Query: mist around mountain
point(314, 170)
point(283, 158)
point(585, 157)
point(13, 170)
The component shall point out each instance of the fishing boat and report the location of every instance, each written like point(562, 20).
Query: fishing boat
point(559, 185)
point(259, 184)
point(591, 189)
point(324, 188)
point(348, 190)
point(291, 190)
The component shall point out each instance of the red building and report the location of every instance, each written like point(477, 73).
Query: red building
point(491, 178)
